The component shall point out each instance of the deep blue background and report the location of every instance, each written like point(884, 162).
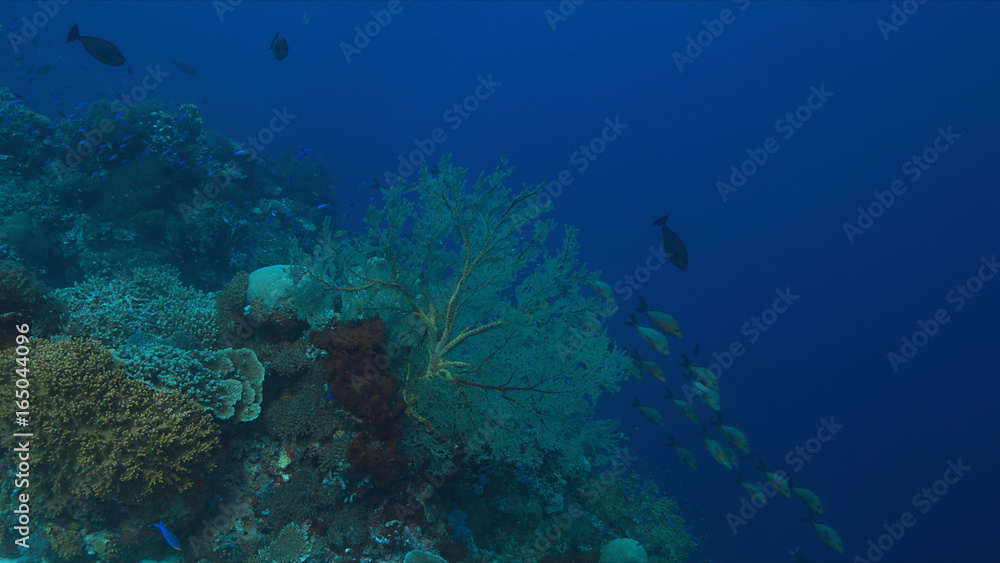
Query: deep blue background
point(826, 356)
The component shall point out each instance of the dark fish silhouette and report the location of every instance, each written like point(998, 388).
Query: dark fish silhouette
point(184, 67)
point(279, 47)
point(672, 244)
point(103, 51)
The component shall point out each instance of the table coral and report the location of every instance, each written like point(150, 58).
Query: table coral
point(101, 434)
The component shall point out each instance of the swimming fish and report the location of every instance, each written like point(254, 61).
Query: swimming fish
point(651, 414)
point(169, 536)
point(683, 407)
point(655, 338)
point(753, 491)
point(303, 153)
point(777, 479)
point(635, 369)
point(663, 321)
point(700, 374)
point(672, 244)
point(808, 497)
point(650, 366)
point(734, 436)
point(708, 396)
point(279, 46)
point(103, 51)
point(347, 213)
point(602, 289)
point(719, 453)
point(184, 67)
point(685, 455)
point(799, 558)
point(829, 536)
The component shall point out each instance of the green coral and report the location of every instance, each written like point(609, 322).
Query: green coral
point(634, 508)
point(99, 434)
point(496, 346)
point(291, 545)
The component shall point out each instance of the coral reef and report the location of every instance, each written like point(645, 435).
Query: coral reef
point(152, 300)
point(102, 435)
point(499, 316)
point(226, 382)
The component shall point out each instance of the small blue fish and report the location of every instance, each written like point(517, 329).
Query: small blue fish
point(180, 117)
point(242, 152)
point(119, 115)
point(169, 536)
point(303, 153)
point(329, 396)
point(289, 215)
point(322, 206)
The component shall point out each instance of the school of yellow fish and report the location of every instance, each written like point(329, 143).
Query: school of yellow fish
point(701, 382)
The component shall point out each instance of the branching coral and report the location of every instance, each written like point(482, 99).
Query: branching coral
point(500, 314)
point(100, 434)
point(146, 299)
point(290, 545)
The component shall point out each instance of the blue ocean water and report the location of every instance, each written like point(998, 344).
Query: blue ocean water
point(842, 155)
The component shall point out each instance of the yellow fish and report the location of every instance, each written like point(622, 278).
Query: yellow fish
point(700, 374)
point(663, 321)
point(776, 479)
point(651, 414)
point(655, 338)
point(683, 406)
point(652, 367)
point(734, 436)
point(685, 455)
point(808, 497)
point(753, 491)
point(720, 453)
point(829, 536)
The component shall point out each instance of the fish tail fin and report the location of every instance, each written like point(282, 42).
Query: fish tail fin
point(809, 519)
point(669, 395)
point(686, 362)
point(662, 220)
point(74, 33)
point(635, 403)
point(704, 431)
point(642, 305)
point(635, 354)
point(672, 443)
point(739, 478)
point(632, 320)
point(718, 419)
point(761, 467)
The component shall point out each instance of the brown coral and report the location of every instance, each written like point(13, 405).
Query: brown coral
point(359, 383)
point(100, 434)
